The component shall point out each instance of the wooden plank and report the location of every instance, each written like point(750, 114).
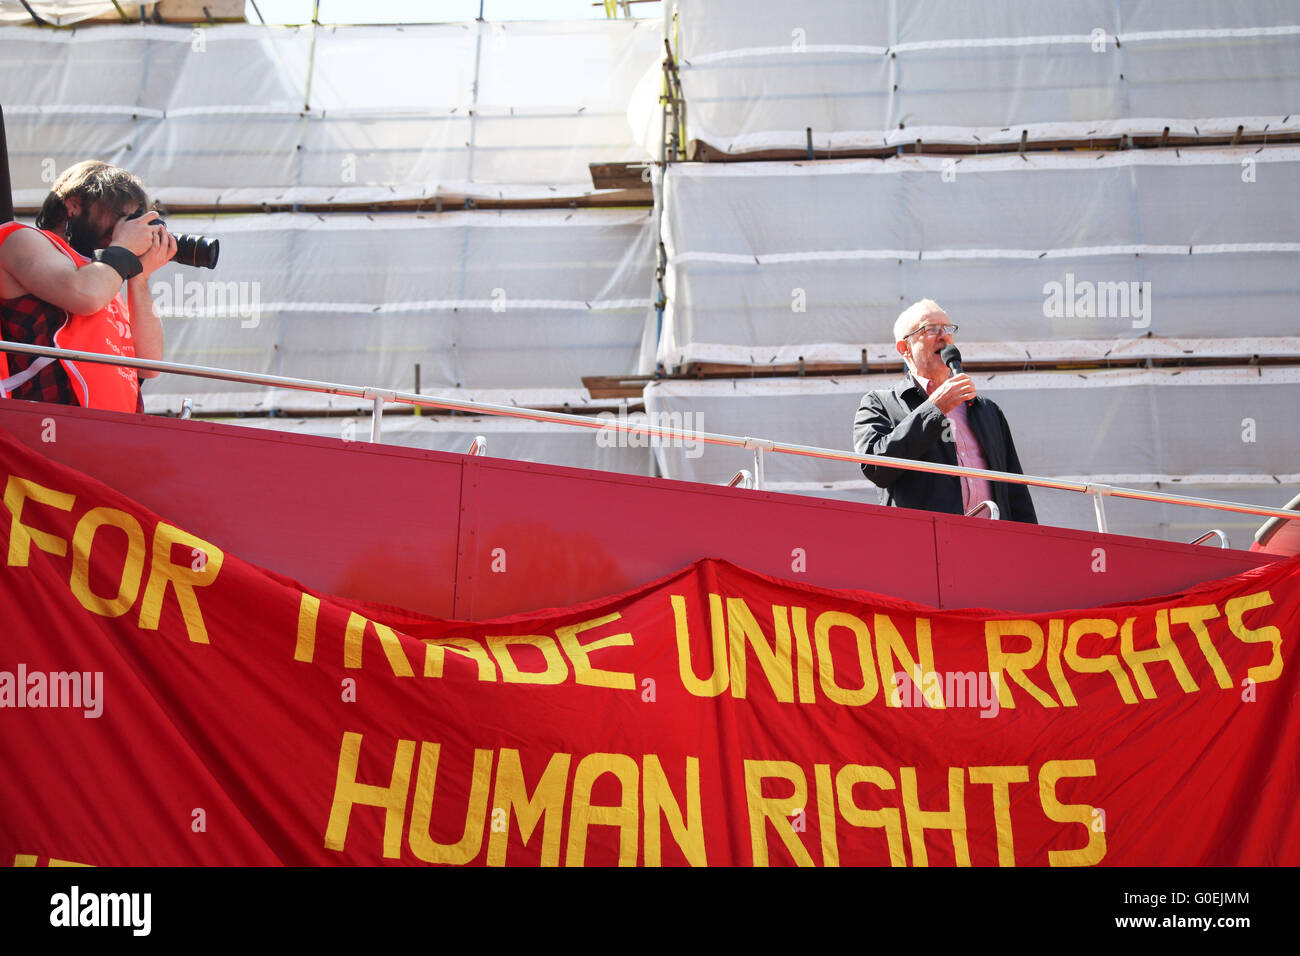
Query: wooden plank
point(179, 11)
point(601, 387)
point(700, 151)
point(623, 198)
point(620, 175)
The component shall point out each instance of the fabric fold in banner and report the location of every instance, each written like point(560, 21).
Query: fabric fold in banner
point(163, 702)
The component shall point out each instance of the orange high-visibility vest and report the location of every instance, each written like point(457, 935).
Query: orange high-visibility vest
point(109, 387)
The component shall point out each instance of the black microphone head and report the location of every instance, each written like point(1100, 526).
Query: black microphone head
point(951, 357)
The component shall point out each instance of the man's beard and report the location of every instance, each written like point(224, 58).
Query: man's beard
point(82, 234)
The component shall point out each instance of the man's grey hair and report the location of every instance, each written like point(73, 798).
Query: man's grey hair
point(909, 316)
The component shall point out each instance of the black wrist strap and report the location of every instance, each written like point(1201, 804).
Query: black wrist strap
point(120, 258)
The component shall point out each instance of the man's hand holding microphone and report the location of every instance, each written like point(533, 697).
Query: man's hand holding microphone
point(958, 388)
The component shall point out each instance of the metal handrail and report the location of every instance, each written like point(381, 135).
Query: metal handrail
point(381, 395)
point(1223, 538)
point(985, 505)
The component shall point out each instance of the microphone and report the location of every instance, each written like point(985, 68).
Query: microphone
point(951, 357)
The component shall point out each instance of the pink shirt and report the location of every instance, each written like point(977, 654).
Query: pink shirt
point(969, 453)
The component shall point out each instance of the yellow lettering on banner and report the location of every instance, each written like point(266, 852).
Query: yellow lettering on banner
point(308, 610)
point(21, 536)
point(556, 671)
point(826, 813)
point(29, 859)
point(718, 678)
point(1163, 651)
point(1001, 779)
point(803, 654)
point(1055, 642)
point(83, 540)
point(777, 810)
point(885, 818)
point(953, 819)
point(352, 641)
point(348, 793)
point(354, 638)
point(580, 654)
point(1234, 610)
point(773, 658)
point(658, 799)
point(467, 847)
point(826, 663)
point(182, 577)
point(545, 805)
point(582, 814)
point(895, 657)
point(1195, 618)
point(436, 649)
point(1014, 664)
point(1051, 772)
point(1107, 663)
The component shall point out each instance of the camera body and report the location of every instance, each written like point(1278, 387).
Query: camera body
point(191, 250)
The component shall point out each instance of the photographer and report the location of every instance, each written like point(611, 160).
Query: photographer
point(60, 285)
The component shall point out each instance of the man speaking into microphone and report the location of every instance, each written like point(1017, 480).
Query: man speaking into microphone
point(934, 415)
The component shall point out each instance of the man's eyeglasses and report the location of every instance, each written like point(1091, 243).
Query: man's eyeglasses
point(932, 330)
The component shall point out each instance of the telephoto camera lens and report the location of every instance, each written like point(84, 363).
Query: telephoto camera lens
point(198, 251)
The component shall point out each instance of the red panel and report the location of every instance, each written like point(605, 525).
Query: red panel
point(423, 530)
point(353, 519)
point(568, 535)
point(1018, 567)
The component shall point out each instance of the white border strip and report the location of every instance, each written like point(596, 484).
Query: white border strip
point(83, 109)
point(367, 309)
point(784, 50)
point(398, 221)
point(1050, 350)
point(923, 255)
point(967, 43)
point(994, 382)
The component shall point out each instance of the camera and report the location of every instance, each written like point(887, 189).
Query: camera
point(191, 250)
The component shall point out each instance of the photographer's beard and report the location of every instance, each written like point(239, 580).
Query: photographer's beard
point(83, 233)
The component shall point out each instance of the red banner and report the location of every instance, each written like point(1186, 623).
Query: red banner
point(163, 702)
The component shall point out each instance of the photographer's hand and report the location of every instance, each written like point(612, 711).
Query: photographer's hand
point(159, 252)
point(137, 235)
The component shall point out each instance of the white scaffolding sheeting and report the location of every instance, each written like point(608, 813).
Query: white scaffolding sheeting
point(1051, 256)
point(503, 307)
point(865, 73)
point(256, 114)
point(510, 439)
point(58, 12)
point(1233, 427)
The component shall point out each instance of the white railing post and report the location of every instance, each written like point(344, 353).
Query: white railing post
point(377, 397)
point(1098, 492)
point(759, 445)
